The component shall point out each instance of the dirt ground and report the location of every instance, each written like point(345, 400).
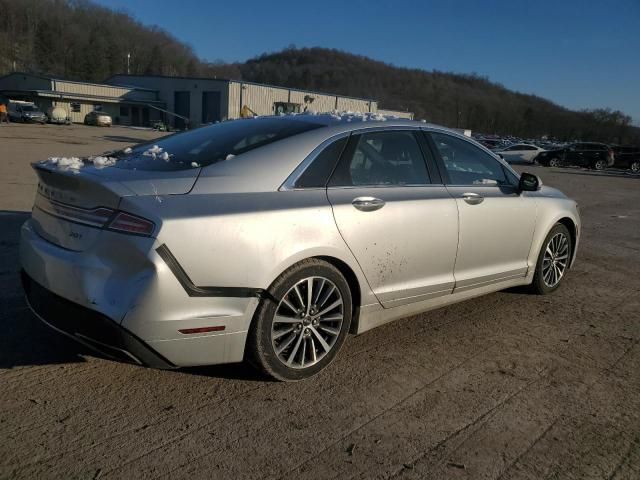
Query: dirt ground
point(510, 385)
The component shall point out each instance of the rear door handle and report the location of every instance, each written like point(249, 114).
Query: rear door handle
point(472, 198)
point(367, 204)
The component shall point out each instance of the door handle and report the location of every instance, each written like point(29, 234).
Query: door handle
point(367, 204)
point(472, 198)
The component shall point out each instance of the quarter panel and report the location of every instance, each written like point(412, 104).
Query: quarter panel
point(246, 239)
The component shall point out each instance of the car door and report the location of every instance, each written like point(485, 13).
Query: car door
point(496, 221)
point(395, 215)
point(528, 153)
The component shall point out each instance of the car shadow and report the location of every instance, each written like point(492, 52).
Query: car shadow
point(25, 340)
point(230, 371)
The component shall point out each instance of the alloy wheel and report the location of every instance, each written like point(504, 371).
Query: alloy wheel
point(635, 167)
point(554, 162)
point(307, 322)
point(555, 260)
point(601, 165)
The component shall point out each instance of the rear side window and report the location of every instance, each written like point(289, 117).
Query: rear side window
point(317, 174)
point(214, 143)
point(466, 164)
point(385, 158)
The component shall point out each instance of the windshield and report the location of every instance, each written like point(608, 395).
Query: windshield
point(29, 108)
point(207, 145)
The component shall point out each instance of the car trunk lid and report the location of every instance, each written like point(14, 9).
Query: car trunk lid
point(76, 198)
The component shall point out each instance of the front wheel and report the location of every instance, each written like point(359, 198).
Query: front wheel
point(553, 260)
point(635, 167)
point(554, 162)
point(298, 330)
point(600, 165)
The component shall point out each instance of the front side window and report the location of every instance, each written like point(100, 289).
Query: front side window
point(466, 164)
point(390, 158)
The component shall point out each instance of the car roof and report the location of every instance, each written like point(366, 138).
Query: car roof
point(287, 154)
point(339, 122)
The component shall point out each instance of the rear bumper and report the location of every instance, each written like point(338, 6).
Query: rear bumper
point(89, 327)
point(119, 283)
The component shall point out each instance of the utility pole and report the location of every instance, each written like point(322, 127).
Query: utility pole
point(128, 63)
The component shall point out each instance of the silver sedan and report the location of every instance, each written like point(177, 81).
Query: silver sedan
point(271, 239)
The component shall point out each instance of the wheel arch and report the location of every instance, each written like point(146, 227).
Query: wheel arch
point(573, 232)
point(354, 287)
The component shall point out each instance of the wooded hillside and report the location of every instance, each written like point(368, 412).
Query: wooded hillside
point(79, 40)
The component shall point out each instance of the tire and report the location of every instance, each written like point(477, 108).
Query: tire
point(635, 166)
point(290, 356)
point(544, 280)
point(600, 165)
point(554, 162)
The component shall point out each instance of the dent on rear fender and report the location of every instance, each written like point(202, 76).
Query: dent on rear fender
point(248, 240)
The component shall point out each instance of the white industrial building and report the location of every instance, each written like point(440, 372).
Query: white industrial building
point(206, 100)
point(143, 99)
point(127, 106)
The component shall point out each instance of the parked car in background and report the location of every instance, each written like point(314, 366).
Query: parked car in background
point(58, 115)
point(271, 239)
point(98, 118)
point(580, 154)
point(520, 153)
point(492, 144)
point(626, 157)
point(25, 112)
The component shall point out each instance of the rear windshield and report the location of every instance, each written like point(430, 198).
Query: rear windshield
point(207, 145)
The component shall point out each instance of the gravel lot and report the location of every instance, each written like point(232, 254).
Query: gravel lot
point(506, 386)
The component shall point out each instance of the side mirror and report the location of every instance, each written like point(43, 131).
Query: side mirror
point(529, 182)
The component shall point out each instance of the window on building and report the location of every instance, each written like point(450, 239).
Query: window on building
point(75, 107)
point(97, 107)
point(282, 108)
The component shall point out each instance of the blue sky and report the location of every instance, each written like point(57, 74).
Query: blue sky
point(578, 53)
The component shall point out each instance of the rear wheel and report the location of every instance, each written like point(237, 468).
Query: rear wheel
point(298, 330)
point(635, 167)
point(554, 162)
point(553, 260)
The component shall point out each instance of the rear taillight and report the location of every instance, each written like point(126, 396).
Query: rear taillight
point(96, 217)
point(100, 217)
point(125, 222)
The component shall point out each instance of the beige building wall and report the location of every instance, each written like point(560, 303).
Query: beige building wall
point(103, 91)
point(321, 102)
point(260, 99)
point(233, 107)
point(356, 105)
